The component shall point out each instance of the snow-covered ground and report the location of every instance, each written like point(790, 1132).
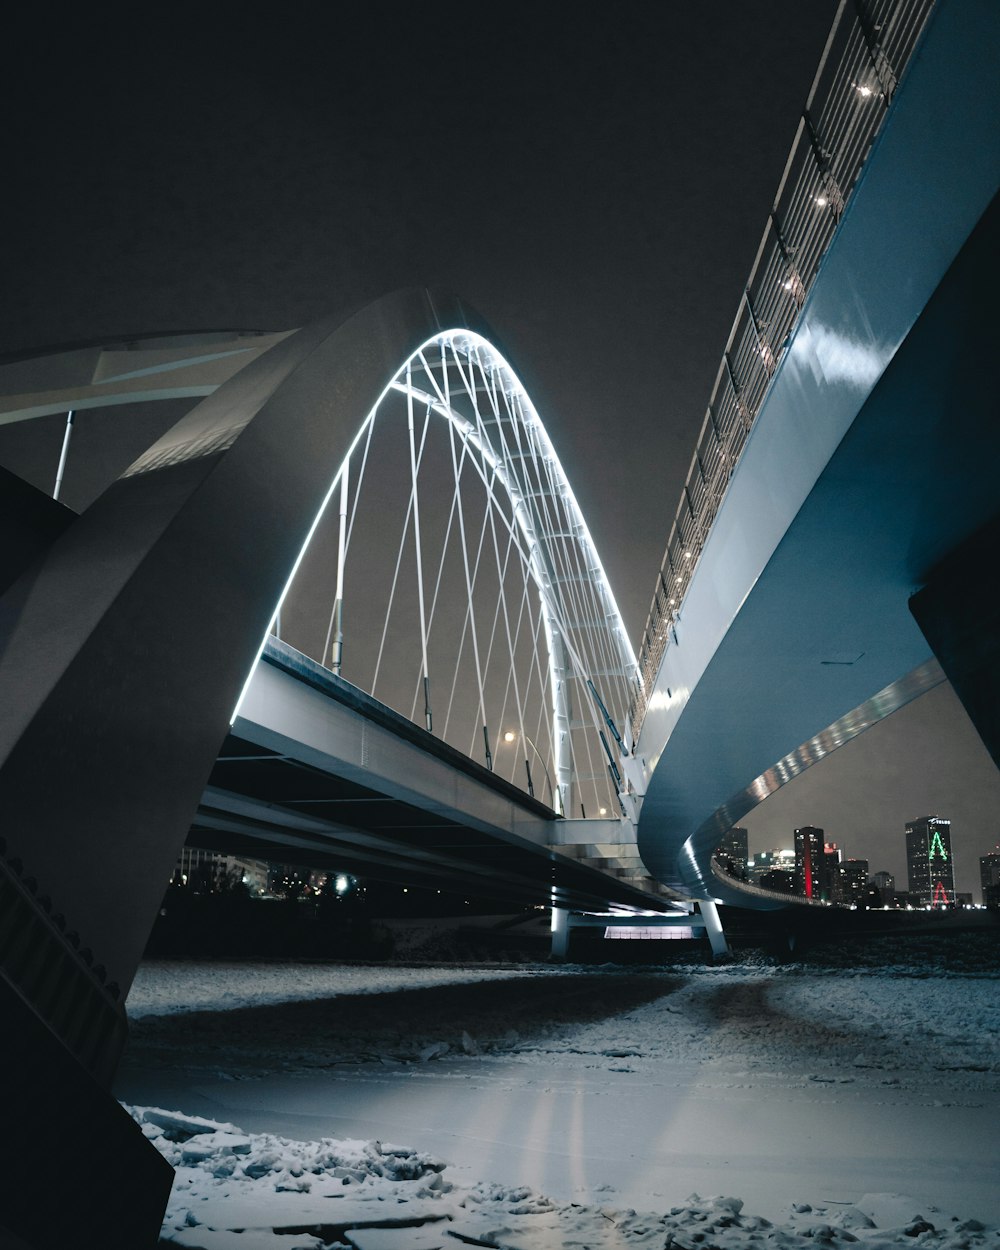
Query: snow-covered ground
point(167, 987)
point(536, 1108)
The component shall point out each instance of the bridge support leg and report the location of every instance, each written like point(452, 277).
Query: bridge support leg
point(961, 623)
point(560, 932)
point(713, 927)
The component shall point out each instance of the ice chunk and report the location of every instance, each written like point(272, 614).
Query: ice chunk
point(206, 1145)
point(177, 1125)
point(892, 1210)
point(429, 1237)
point(434, 1051)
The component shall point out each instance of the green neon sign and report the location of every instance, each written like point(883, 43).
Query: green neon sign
point(936, 843)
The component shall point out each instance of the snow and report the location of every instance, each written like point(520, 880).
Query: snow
point(542, 1107)
point(234, 1191)
point(170, 986)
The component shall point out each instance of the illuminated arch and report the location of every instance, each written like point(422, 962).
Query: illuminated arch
point(128, 642)
point(514, 444)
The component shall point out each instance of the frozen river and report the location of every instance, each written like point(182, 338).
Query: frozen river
point(606, 1089)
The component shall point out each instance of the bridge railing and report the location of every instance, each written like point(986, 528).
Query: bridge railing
point(865, 55)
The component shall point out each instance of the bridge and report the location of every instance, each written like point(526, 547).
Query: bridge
point(468, 708)
point(824, 583)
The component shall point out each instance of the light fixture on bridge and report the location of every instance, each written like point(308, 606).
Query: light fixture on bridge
point(821, 201)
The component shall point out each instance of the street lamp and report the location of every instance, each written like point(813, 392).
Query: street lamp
point(511, 736)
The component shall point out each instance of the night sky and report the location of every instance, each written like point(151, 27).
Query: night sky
point(595, 182)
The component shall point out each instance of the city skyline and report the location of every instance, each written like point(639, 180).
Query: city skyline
point(855, 795)
point(971, 872)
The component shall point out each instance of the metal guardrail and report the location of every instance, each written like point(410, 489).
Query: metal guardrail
point(758, 891)
point(867, 50)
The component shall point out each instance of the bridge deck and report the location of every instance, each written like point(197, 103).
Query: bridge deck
point(316, 769)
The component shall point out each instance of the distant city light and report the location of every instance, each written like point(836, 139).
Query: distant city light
point(342, 883)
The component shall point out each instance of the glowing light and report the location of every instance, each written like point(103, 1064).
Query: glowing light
point(510, 736)
point(822, 201)
point(844, 359)
point(493, 468)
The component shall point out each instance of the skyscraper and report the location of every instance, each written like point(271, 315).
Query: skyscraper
point(833, 872)
point(855, 881)
point(885, 884)
point(989, 876)
point(734, 852)
point(929, 867)
point(810, 863)
point(766, 862)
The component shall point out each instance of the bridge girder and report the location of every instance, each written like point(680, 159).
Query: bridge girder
point(870, 461)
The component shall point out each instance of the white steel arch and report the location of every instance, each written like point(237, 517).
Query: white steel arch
point(592, 671)
point(458, 374)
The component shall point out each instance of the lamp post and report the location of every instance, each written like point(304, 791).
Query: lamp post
point(511, 736)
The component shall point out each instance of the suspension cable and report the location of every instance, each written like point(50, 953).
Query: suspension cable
point(416, 540)
point(395, 575)
point(468, 587)
point(350, 527)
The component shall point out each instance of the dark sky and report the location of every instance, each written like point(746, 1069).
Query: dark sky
point(595, 185)
point(594, 180)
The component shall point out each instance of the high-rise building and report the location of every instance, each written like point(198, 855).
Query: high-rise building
point(929, 867)
point(989, 876)
point(209, 872)
point(777, 879)
point(810, 865)
point(734, 852)
point(885, 884)
point(833, 869)
point(854, 881)
point(770, 861)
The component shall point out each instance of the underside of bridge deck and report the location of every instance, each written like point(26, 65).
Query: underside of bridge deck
point(317, 771)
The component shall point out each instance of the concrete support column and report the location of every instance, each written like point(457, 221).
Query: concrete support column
point(560, 932)
point(713, 927)
point(962, 624)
